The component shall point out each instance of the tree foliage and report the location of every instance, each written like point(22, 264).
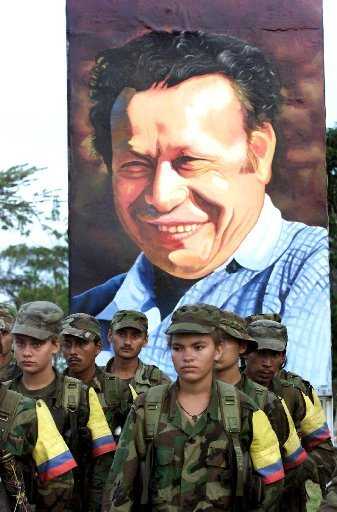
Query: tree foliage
point(29, 273)
point(35, 273)
point(18, 212)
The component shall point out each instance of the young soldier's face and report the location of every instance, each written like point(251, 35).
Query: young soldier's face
point(231, 351)
point(262, 365)
point(127, 342)
point(194, 355)
point(80, 354)
point(188, 183)
point(33, 355)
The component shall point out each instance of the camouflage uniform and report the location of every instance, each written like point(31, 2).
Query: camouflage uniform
point(119, 394)
point(293, 455)
point(193, 465)
point(79, 417)
point(311, 427)
point(41, 450)
point(7, 316)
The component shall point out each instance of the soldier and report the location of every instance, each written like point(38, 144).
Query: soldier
point(186, 442)
point(129, 376)
point(29, 438)
point(81, 344)
point(263, 366)
point(236, 342)
point(8, 367)
point(75, 408)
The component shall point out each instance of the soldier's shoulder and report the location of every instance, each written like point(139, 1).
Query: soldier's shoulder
point(297, 381)
point(154, 374)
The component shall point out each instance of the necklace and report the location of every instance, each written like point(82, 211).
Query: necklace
point(194, 417)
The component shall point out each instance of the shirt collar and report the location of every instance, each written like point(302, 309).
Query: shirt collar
point(256, 250)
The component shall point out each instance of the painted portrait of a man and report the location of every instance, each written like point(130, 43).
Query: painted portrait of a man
point(185, 123)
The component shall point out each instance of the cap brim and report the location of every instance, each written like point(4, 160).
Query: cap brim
point(275, 345)
point(189, 328)
point(33, 332)
point(71, 331)
point(128, 323)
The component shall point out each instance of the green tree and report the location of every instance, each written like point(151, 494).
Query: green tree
point(35, 273)
point(17, 212)
point(27, 272)
point(331, 163)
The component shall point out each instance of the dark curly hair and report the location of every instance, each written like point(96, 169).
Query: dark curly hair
point(172, 57)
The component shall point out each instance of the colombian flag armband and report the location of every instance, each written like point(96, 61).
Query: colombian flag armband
point(314, 428)
point(51, 454)
point(294, 453)
point(102, 438)
point(264, 450)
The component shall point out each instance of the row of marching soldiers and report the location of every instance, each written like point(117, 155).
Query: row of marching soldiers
point(234, 432)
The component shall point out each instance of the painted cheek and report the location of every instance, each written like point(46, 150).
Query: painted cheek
point(127, 191)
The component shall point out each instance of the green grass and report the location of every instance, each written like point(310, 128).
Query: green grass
point(315, 496)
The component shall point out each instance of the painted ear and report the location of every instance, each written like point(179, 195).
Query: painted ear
point(261, 149)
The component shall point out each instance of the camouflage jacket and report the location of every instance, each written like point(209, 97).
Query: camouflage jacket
point(293, 455)
point(192, 465)
point(117, 395)
point(10, 370)
point(311, 425)
point(41, 451)
point(87, 434)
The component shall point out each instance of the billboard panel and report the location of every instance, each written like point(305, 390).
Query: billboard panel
point(197, 164)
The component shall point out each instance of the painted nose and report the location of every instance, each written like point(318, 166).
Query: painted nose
point(168, 189)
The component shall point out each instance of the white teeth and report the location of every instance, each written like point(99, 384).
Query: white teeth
point(181, 228)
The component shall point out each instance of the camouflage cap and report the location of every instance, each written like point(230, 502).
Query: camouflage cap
point(39, 319)
point(236, 326)
point(264, 316)
point(129, 318)
point(197, 318)
point(82, 326)
point(7, 316)
point(269, 335)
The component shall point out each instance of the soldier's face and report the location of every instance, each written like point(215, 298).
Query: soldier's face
point(262, 365)
point(188, 182)
point(80, 354)
point(231, 351)
point(6, 341)
point(194, 356)
point(33, 355)
point(127, 342)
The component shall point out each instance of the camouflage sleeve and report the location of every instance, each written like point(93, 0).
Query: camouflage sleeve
point(119, 494)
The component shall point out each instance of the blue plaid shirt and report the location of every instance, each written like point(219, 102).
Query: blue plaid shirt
point(282, 267)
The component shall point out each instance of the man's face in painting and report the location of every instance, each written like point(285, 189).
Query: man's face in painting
point(188, 181)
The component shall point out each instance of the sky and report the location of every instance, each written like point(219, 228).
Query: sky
point(33, 100)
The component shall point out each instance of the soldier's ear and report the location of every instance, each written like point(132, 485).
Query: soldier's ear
point(219, 349)
point(146, 339)
point(56, 345)
point(99, 347)
point(261, 149)
point(110, 336)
